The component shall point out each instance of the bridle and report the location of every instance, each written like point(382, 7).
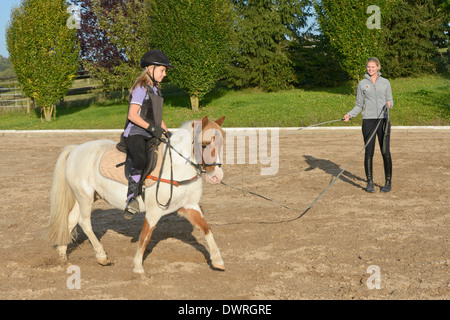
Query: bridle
point(204, 147)
point(200, 167)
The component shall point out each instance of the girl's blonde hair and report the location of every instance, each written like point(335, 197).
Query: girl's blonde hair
point(142, 81)
point(374, 59)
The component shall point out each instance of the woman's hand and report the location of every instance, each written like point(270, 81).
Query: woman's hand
point(347, 118)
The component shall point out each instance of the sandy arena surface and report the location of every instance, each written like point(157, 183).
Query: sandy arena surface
point(323, 255)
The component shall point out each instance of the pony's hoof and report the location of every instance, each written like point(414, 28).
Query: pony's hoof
point(63, 259)
point(219, 267)
point(104, 261)
point(138, 270)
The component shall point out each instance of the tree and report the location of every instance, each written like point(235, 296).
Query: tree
point(43, 51)
point(195, 35)
point(441, 35)
point(6, 69)
point(353, 29)
point(114, 35)
point(97, 53)
point(264, 29)
point(410, 29)
point(313, 64)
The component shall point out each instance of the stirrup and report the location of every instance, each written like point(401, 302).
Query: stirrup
point(132, 208)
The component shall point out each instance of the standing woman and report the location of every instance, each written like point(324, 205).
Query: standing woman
point(144, 120)
point(374, 99)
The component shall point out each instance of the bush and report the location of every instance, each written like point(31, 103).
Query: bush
point(43, 51)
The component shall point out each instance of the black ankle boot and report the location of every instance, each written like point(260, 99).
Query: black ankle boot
point(370, 188)
point(387, 186)
point(368, 168)
point(387, 161)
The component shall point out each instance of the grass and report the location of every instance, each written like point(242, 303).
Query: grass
point(418, 101)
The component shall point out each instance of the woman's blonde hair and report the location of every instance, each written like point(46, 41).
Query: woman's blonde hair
point(374, 59)
point(142, 81)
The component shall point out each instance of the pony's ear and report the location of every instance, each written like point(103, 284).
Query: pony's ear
point(220, 121)
point(205, 121)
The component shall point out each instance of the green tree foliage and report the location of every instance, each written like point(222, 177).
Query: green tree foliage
point(411, 27)
point(43, 51)
point(312, 63)
point(98, 55)
point(195, 35)
point(6, 69)
point(126, 24)
point(264, 30)
point(345, 24)
point(441, 36)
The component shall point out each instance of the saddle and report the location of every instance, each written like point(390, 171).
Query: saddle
point(116, 164)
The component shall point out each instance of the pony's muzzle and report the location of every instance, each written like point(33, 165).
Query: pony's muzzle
point(215, 176)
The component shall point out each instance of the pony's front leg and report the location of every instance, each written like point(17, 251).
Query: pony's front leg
point(144, 239)
point(195, 217)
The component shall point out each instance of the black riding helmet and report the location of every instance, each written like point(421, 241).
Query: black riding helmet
point(155, 58)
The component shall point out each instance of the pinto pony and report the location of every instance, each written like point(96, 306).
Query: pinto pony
point(77, 183)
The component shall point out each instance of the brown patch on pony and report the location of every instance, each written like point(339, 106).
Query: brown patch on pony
point(195, 218)
point(145, 236)
point(207, 125)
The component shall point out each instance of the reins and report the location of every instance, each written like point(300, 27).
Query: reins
point(169, 148)
point(199, 167)
point(158, 181)
point(319, 196)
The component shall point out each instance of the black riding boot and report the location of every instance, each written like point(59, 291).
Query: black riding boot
point(368, 168)
point(133, 192)
point(387, 161)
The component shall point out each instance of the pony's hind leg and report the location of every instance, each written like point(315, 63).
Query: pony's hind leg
point(74, 215)
point(85, 223)
point(195, 217)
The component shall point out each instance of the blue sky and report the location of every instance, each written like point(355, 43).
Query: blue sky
point(5, 11)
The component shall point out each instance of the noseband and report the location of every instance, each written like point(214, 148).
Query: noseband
point(206, 164)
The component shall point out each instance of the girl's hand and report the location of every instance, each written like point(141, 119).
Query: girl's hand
point(346, 118)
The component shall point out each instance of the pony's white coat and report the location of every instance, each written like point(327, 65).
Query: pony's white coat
point(77, 183)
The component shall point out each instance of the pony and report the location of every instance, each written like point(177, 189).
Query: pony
point(77, 183)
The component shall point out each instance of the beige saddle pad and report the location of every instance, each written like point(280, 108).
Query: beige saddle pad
point(113, 157)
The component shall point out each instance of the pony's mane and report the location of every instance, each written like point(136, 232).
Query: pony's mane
point(187, 125)
point(181, 139)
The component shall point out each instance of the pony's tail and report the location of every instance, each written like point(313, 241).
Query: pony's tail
point(62, 201)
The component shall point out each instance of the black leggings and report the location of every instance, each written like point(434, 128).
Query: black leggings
point(136, 145)
point(368, 126)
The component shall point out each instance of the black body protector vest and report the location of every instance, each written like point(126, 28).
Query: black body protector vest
point(151, 112)
point(151, 109)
